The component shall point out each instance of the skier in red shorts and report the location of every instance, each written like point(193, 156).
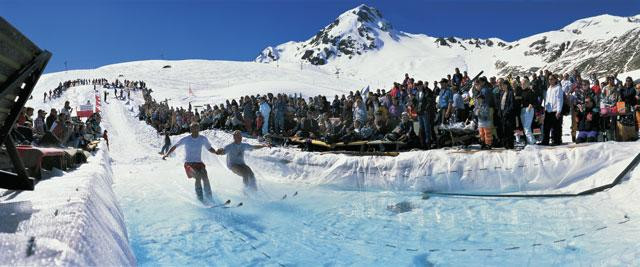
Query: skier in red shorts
point(193, 165)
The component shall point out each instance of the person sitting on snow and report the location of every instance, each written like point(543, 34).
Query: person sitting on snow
point(403, 132)
point(588, 121)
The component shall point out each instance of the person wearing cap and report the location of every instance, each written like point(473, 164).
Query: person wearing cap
point(235, 160)
point(40, 127)
point(193, 165)
point(482, 111)
point(445, 102)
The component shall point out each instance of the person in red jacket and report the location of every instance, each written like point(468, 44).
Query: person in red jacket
point(395, 90)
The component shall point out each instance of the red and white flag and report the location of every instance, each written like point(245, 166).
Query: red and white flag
point(191, 91)
point(97, 103)
point(85, 110)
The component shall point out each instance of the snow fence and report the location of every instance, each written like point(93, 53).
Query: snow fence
point(565, 169)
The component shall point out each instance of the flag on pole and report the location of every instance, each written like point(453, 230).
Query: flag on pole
point(191, 91)
point(98, 104)
point(364, 92)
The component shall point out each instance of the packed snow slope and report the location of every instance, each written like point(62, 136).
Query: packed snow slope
point(211, 81)
point(353, 210)
point(72, 218)
point(360, 41)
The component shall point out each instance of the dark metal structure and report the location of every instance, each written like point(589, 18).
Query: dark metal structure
point(21, 64)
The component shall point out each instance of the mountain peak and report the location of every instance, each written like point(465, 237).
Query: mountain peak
point(354, 32)
point(366, 14)
point(605, 21)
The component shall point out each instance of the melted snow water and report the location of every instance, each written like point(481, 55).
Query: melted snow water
point(325, 225)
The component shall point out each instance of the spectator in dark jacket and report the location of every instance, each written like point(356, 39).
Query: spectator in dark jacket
point(529, 103)
point(404, 131)
point(588, 121)
point(628, 93)
point(53, 116)
point(508, 111)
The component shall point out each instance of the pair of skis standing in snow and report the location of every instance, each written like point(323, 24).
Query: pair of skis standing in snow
point(195, 168)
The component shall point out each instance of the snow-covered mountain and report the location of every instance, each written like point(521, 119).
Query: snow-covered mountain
point(353, 33)
point(361, 43)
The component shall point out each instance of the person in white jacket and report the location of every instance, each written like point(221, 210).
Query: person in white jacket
point(553, 112)
point(265, 110)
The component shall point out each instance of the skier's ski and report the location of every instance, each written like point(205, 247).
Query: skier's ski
point(226, 203)
point(285, 195)
point(235, 206)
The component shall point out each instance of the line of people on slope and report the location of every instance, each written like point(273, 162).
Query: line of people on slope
point(63, 86)
point(125, 86)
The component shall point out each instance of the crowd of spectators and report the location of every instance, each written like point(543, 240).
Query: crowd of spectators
point(58, 127)
point(503, 110)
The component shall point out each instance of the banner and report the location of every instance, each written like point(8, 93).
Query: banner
point(85, 110)
point(97, 103)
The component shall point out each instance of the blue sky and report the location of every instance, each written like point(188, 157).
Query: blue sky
point(92, 33)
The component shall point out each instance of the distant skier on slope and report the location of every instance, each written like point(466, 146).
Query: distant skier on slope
point(167, 142)
point(105, 136)
point(235, 159)
point(193, 165)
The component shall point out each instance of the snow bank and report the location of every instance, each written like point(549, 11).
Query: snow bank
point(565, 169)
point(73, 219)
